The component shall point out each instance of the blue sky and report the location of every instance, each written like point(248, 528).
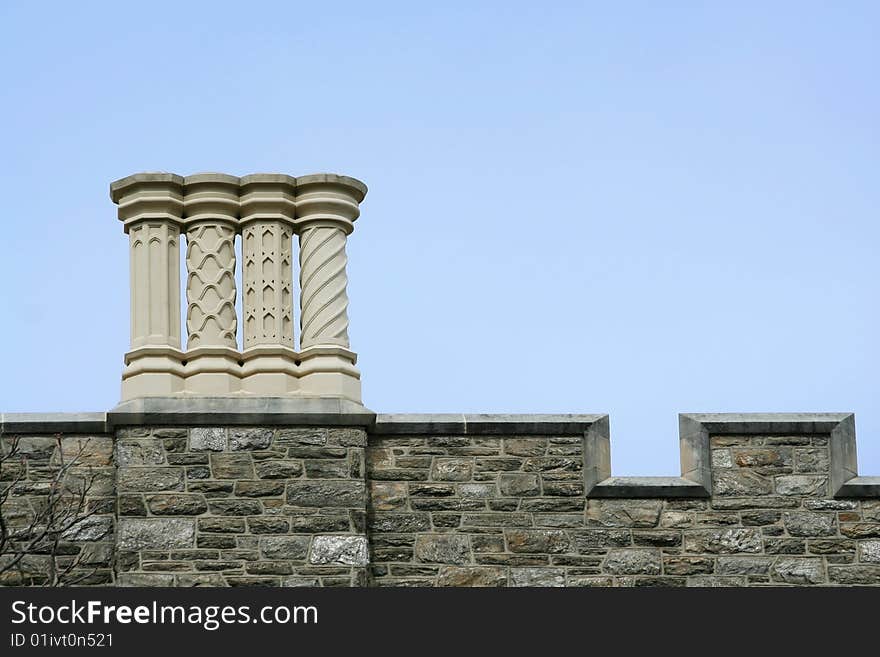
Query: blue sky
point(634, 208)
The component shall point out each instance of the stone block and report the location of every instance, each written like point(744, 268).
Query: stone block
point(250, 439)
point(808, 523)
point(525, 446)
point(802, 485)
point(537, 577)
point(519, 484)
point(177, 504)
point(387, 496)
point(740, 483)
point(473, 576)
point(343, 550)
point(232, 466)
point(293, 548)
point(452, 469)
point(798, 570)
point(729, 540)
point(155, 533)
point(278, 469)
point(624, 513)
point(443, 548)
point(327, 494)
point(203, 439)
point(632, 562)
point(869, 551)
point(553, 541)
point(143, 479)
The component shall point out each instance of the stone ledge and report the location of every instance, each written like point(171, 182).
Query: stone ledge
point(443, 424)
point(640, 487)
point(241, 411)
point(54, 423)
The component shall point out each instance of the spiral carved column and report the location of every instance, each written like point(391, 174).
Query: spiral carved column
point(211, 220)
point(267, 211)
point(326, 207)
point(150, 205)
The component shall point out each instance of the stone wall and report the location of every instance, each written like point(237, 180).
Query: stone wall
point(239, 506)
point(489, 511)
point(401, 502)
point(73, 544)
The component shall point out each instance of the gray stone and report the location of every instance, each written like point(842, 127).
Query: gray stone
point(553, 541)
point(473, 576)
point(624, 513)
point(268, 525)
point(869, 551)
point(249, 439)
point(591, 540)
point(326, 468)
point(721, 458)
point(259, 488)
point(740, 483)
point(257, 411)
point(347, 437)
point(476, 491)
point(278, 469)
point(144, 579)
point(442, 548)
point(763, 457)
point(535, 577)
point(860, 529)
point(295, 548)
point(232, 466)
point(802, 485)
point(743, 565)
point(723, 541)
point(812, 460)
point(854, 575)
point(632, 562)
point(346, 550)
point(387, 496)
point(144, 451)
point(89, 528)
point(203, 439)
point(137, 479)
point(525, 446)
point(688, 565)
point(808, 523)
point(155, 533)
point(177, 504)
point(222, 525)
point(302, 437)
point(400, 522)
point(519, 484)
point(327, 494)
point(452, 469)
point(798, 570)
point(235, 507)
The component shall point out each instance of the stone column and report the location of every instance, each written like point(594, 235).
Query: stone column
point(266, 218)
point(211, 216)
point(150, 207)
point(326, 207)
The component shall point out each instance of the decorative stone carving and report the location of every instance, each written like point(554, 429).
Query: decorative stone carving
point(326, 207)
point(211, 219)
point(150, 207)
point(268, 210)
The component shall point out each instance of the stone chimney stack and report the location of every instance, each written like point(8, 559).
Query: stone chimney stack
point(268, 211)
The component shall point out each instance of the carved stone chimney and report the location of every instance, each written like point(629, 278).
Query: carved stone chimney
point(268, 211)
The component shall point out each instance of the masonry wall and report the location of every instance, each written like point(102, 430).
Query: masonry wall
point(460, 511)
point(237, 506)
point(353, 506)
